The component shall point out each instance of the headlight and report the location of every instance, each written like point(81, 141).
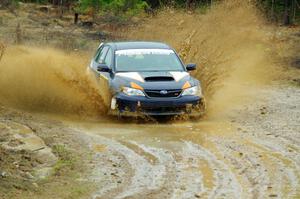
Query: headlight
point(196, 90)
point(132, 91)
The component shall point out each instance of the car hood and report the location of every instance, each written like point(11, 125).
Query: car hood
point(154, 80)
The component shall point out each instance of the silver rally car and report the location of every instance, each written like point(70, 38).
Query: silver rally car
point(146, 78)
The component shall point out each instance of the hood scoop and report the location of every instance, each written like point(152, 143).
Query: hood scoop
point(159, 79)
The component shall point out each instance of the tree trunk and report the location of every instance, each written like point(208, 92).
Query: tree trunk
point(286, 18)
point(294, 9)
point(272, 10)
point(2, 49)
point(18, 34)
point(76, 18)
point(188, 4)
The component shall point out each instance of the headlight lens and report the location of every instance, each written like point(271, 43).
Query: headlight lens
point(132, 91)
point(195, 90)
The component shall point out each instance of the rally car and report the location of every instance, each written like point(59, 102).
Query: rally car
point(146, 78)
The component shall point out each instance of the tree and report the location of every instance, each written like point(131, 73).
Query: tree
point(287, 10)
point(2, 49)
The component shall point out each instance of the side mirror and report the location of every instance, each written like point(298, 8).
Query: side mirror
point(103, 68)
point(190, 67)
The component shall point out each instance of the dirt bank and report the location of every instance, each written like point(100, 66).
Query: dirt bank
point(41, 158)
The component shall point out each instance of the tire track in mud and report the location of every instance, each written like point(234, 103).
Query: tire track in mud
point(259, 172)
point(271, 141)
point(267, 171)
point(172, 175)
point(145, 176)
point(260, 160)
point(225, 183)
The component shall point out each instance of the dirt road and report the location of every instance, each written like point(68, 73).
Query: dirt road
point(252, 153)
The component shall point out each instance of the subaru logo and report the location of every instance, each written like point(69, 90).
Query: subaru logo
point(163, 92)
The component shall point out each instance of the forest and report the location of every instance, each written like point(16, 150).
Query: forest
point(280, 11)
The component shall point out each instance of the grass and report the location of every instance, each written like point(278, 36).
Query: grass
point(63, 182)
point(66, 161)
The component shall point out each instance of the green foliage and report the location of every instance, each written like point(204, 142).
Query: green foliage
point(116, 7)
point(87, 4)
point(130, 7)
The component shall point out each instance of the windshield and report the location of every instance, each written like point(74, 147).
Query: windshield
point(132, 60)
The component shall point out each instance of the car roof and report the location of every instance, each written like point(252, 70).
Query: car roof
point(138, 45)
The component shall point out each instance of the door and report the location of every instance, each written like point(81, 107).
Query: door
point(105, 77)
point(99, 59)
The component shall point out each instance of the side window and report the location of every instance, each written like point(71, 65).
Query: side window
point(98, 51)
point(108, 58)
point(100, 57)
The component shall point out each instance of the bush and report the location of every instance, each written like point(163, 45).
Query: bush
point(9, 3)
point(129, 7)
point(116, 7)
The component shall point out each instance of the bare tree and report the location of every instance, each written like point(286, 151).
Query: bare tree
point(295, 6)
point(18, 34)
point(272, 9)
point(287, 9)
point(2, 49)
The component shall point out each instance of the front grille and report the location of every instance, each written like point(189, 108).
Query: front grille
point(159, 93)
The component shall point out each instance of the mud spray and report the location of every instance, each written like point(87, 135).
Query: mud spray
point(229, 43)
point(48, 80)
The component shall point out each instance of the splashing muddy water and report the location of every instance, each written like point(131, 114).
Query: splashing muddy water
point(229, 43)
point(48, 80)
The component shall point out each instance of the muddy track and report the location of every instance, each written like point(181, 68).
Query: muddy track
point(258, 157)
point(252, 153)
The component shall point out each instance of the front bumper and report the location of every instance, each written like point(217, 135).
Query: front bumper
point(140, 105)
